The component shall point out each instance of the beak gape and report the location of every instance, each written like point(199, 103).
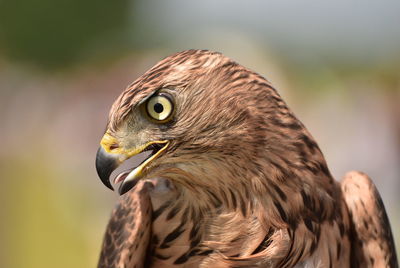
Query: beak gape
point(107, 162)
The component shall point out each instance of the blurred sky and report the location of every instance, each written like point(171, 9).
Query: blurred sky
point(340, 28)
point(63, 63)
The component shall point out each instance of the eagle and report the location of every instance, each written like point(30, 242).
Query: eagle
point(231, 178)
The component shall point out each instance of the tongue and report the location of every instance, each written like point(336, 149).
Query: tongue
point(121, 177)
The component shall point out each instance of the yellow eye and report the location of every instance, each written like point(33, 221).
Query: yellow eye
point(160, 107)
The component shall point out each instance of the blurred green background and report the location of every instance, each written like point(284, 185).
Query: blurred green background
point(63, 63)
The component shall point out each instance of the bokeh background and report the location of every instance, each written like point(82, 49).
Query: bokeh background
point(62, 64)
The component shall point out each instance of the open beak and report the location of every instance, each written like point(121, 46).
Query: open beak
point(110, 155)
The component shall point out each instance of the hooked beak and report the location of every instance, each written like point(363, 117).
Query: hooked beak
point(110, 155)
point(105, 164)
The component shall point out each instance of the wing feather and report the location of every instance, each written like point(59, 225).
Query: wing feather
point(128, 232)
point(372, 240)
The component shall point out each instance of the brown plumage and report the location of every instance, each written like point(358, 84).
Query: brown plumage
point(238, 181)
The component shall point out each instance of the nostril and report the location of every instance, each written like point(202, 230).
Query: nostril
point(114, 146)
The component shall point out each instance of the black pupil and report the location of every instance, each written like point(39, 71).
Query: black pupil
point(158, 108)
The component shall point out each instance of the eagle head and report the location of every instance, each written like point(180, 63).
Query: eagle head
point(211, 125)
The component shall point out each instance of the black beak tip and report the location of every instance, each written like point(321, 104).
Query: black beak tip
point(105, 165)
point(126, 186)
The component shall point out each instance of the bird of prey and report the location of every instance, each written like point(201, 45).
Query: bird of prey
point(232, 178)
